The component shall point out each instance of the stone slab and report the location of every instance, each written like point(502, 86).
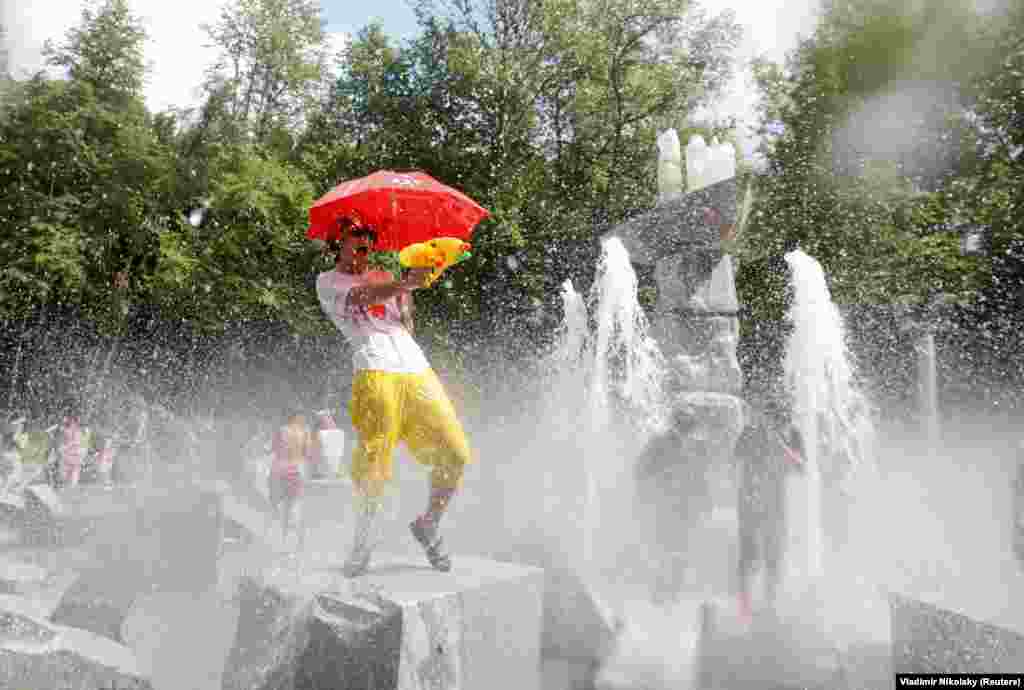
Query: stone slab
point(578, 624)
point(930, 639)
point(656, 649)
point(98, 602)
point(770, 653)
point(830, 641)
point(402, 626)
point(166, 539)
point(35, 583)
point(36, 654)
point(567, 674)
point(181, 639)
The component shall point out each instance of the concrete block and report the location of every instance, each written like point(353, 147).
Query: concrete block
point(146, 538)
point(402, 626)
point(929, 639)
point(43, 587)
point(578, 625)
point(567, 674)
point(181, 639)
point(830, 639)
point(656, 648)
point(98, 602)
point(771, 653)
point(37, 654)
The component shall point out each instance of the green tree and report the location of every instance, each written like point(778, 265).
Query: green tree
point(105, 50)
point(84, 181)
point(247, 259)
point(518, 104)
point(870, 200)
point(272, 64)
point(82, 196)
point(993, 197)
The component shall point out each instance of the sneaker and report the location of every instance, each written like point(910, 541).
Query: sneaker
point(432, 545)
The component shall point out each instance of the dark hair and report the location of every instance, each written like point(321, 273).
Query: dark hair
point(345, 224)
point(349, 223)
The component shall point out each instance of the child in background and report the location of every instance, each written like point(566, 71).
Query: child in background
point(72, 445)
point(292, 446)
point(10, 453)
point(768, 450)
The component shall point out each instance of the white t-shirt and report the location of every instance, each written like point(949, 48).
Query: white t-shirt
point(379, 340)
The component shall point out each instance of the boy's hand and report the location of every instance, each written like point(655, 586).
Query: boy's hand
point(416, 278)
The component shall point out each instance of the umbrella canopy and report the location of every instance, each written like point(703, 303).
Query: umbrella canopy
point(403, 207)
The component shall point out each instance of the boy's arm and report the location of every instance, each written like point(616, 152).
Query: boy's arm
point(375, 293)
point(408, 309)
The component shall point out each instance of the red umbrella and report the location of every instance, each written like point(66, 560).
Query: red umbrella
point(404, 208)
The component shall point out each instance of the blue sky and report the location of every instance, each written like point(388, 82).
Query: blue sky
point(396, 16)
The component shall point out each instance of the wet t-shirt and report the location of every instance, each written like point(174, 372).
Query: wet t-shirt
point(290, 447)
point(378, 338)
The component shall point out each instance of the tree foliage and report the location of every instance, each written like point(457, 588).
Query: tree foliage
point(105, 51)
point(272, 63)
point(890, 129)
point(869, 132)
point(889, 137)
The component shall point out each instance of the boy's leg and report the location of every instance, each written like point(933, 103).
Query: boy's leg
point(375, 411)
point(369, 509)
point(442, 490)
point(433, 432)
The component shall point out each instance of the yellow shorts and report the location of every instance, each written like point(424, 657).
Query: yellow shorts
point(387, 408)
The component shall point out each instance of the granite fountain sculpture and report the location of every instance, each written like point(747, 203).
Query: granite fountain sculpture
point(685, 469)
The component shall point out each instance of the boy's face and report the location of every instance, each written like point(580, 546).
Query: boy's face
point(357, 243)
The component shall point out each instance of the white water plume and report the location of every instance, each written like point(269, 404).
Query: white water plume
point(604, 383)
point(829, 409)
point(626, 361)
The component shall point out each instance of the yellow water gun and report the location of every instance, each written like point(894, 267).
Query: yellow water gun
point(438, 254)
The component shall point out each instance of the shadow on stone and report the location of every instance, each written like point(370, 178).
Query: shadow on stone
point(360, 643)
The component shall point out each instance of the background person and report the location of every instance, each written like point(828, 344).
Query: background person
point(72, 443)
point(10, 452)
point(291, 447)
point(769, 449)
